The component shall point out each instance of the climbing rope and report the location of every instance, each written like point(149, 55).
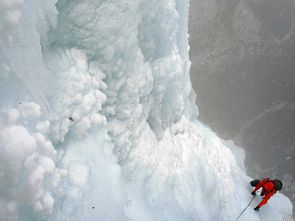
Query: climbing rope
point(245, 208)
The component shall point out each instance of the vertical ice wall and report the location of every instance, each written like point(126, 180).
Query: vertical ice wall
point(98, 121)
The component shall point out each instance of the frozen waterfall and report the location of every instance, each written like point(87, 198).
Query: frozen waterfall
point(98, 121)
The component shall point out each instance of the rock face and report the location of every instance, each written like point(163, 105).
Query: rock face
point(243, 72)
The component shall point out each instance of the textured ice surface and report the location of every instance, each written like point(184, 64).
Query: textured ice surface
point(98, 120)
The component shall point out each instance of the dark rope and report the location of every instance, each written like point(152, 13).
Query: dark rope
point(245, 208)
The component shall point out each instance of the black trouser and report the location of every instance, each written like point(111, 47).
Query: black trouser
point(255, 183)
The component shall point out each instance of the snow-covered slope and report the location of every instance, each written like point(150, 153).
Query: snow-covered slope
point(98, 119)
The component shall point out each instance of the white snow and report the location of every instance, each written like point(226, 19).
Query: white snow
point(97, 120)
point(27, 164)
point(10, 14)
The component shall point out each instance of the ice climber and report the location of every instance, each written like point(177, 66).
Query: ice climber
point(269, 188)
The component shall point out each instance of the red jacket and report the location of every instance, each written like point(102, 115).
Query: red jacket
point(268, 190)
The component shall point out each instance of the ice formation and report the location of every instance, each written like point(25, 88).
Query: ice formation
point(98, 120)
